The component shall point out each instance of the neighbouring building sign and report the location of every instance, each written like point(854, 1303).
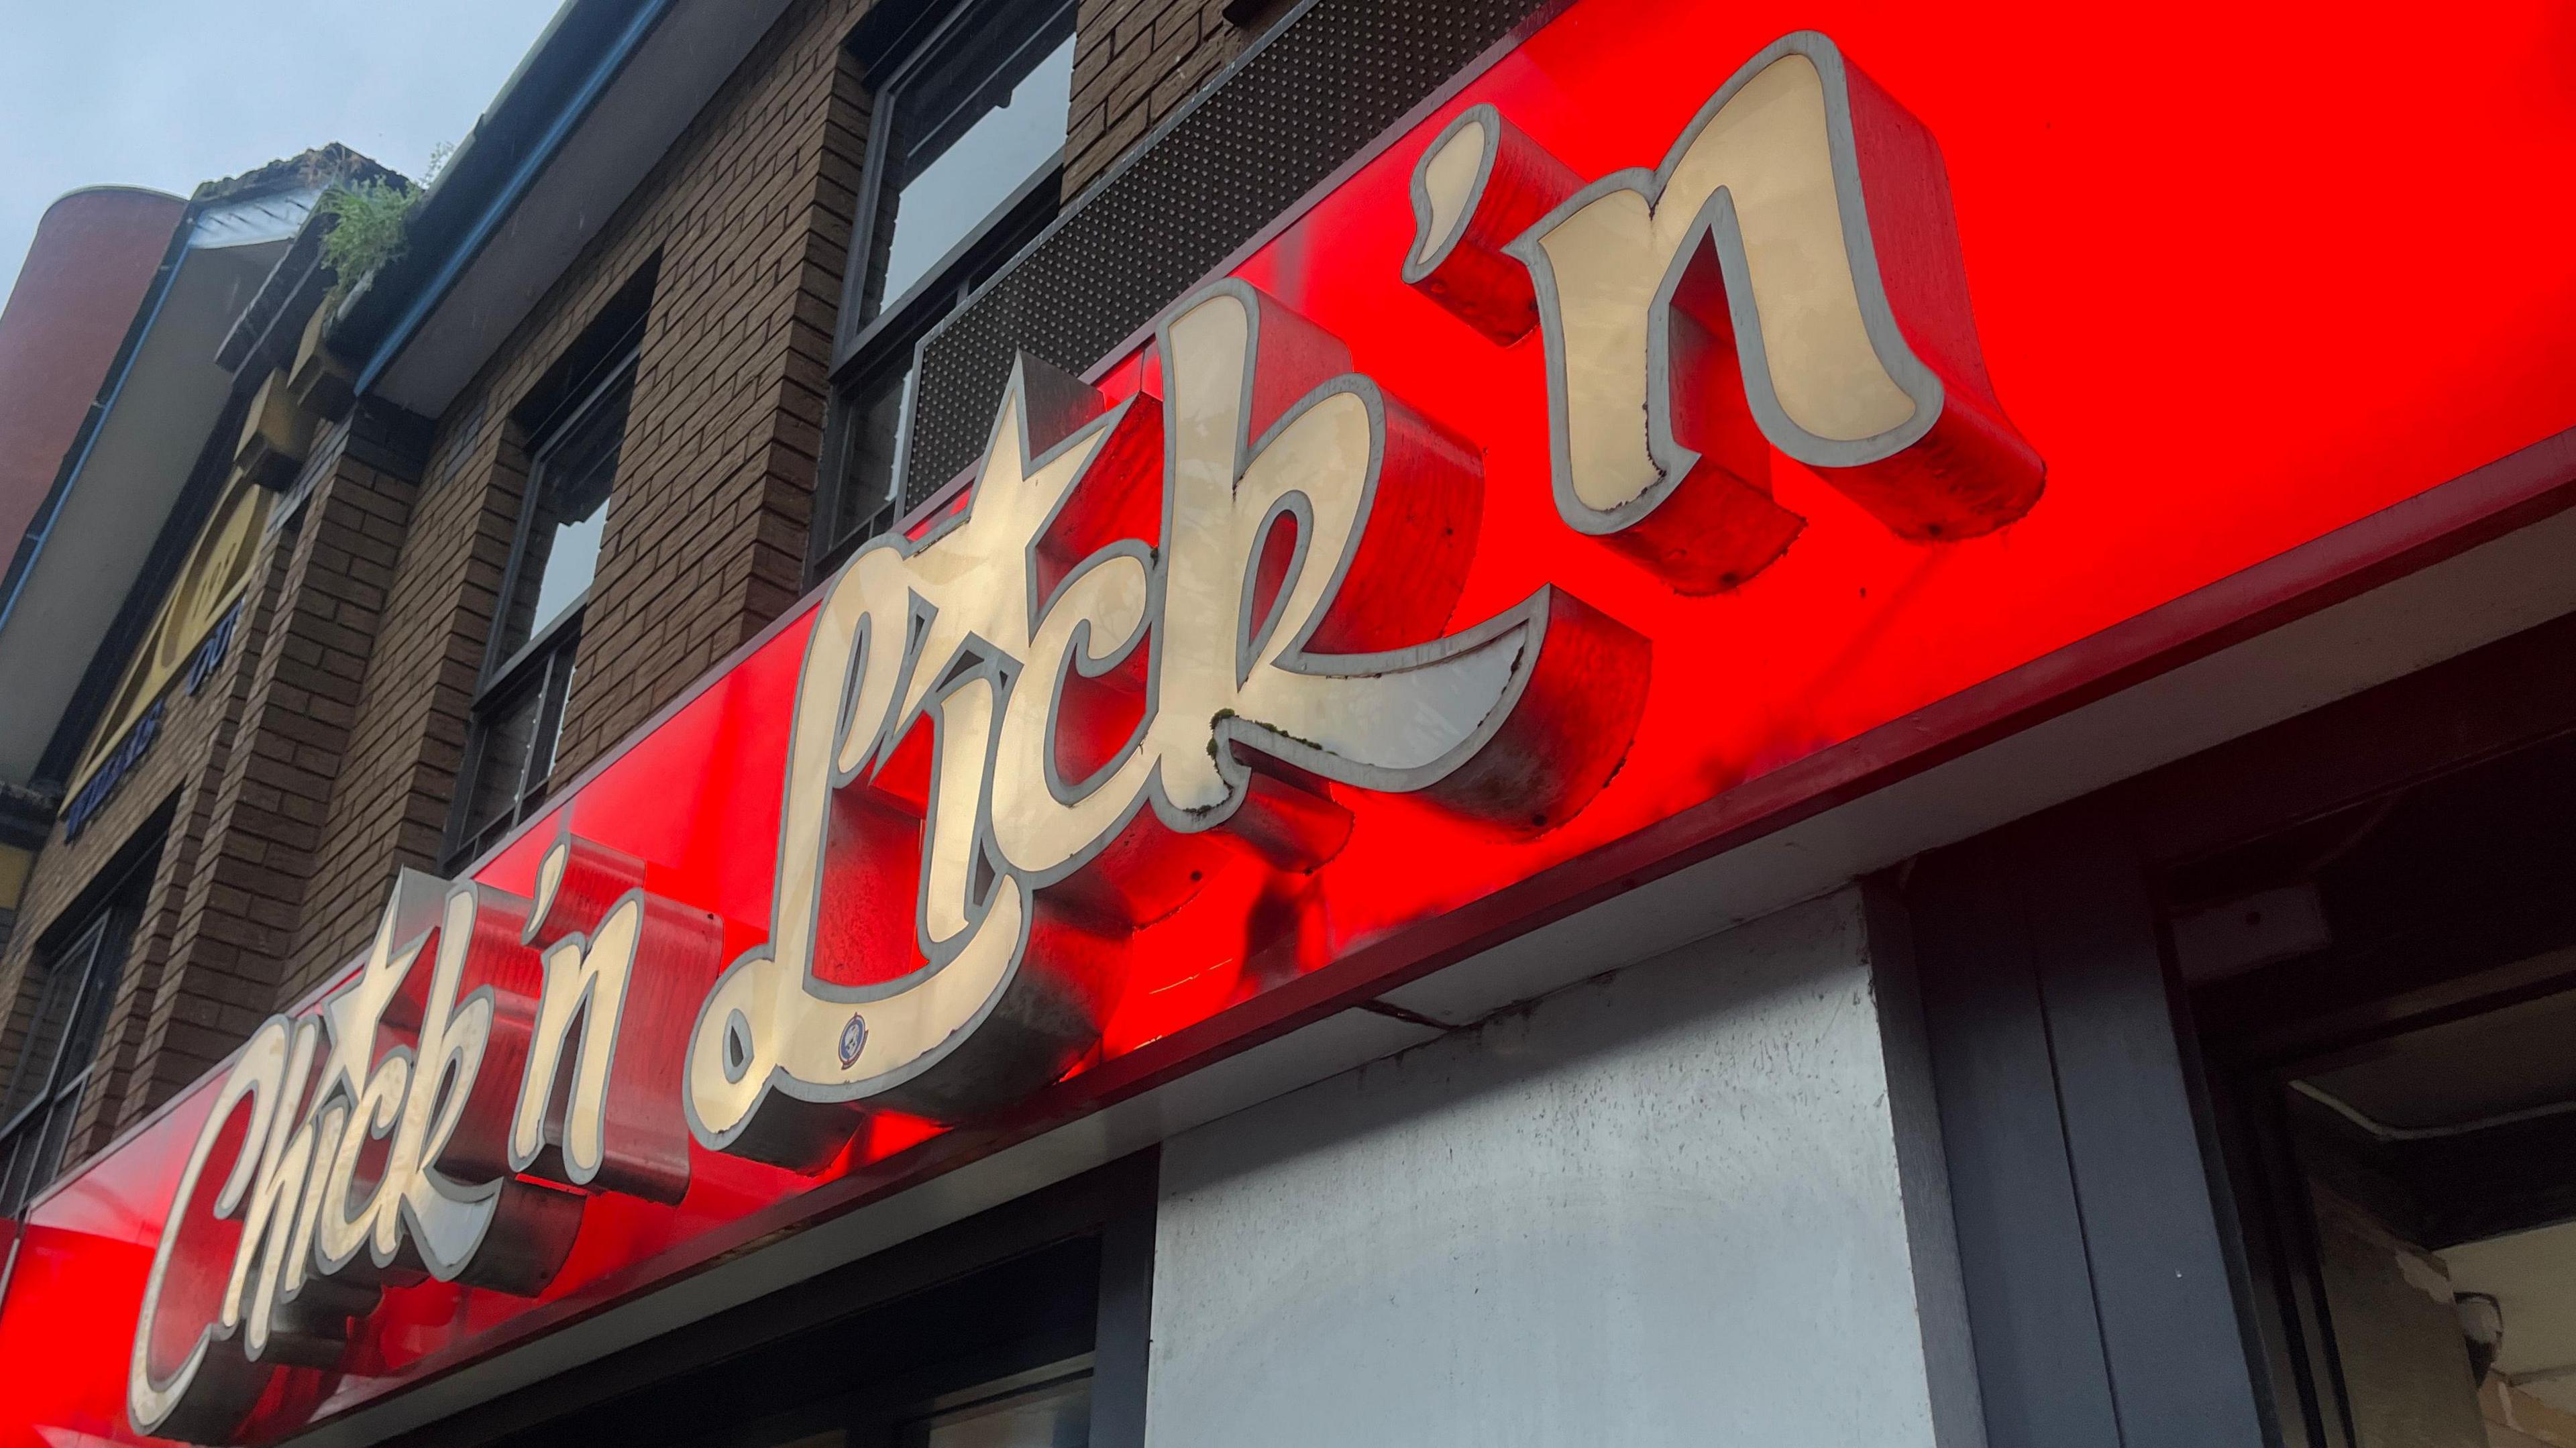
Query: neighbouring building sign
point(1571, 487)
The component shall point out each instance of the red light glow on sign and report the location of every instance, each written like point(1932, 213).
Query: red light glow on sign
point(1350, 623)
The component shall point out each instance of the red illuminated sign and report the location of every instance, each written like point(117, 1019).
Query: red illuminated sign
point(1616, 436)
point(1167, 641)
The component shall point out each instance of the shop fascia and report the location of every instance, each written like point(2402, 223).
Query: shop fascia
point(497, 1060)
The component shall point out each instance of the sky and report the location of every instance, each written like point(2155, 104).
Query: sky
point(168, 93)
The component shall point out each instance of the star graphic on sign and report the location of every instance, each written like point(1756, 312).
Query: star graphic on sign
point(355, 1011)
point(1047, 436)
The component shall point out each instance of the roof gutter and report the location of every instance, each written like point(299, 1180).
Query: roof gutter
point(460, 256)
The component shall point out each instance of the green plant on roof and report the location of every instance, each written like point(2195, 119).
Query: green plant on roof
point(370, 218)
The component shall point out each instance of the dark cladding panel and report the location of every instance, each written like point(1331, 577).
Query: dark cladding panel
point(1336, 75)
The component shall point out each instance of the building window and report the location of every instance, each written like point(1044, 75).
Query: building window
point(2383, 996)
point(536, 629)
point(75, 984)
point(1022, 1327)
point(965, 165)
point(1045, 1408)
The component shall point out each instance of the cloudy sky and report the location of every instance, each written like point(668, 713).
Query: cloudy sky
point(168, 93)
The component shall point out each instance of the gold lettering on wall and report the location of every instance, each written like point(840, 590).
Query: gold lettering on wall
point(215, 577)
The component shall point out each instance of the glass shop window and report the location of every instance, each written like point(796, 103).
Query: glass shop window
point(2387, 1000)
point(1048, 1408)
point(966, 173)
point(998, 1355)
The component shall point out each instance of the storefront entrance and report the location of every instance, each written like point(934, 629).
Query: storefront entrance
point(2388, 1002)
point(2255, 1081)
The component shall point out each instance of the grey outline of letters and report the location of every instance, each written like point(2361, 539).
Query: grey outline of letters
point(416, 896)
point(888, 734)
point(1715, 226)
point(1250, 639)
point(486, 1195)
point(1236, 728)
point(1416, 268)
point(589, 1000)
point(1524, 624)
point(404, 900)
point(304, 1034)
point(1078, 656)
point(265, 1108)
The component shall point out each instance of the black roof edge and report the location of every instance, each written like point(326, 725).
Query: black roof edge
point(479, 173)
point(286, 295)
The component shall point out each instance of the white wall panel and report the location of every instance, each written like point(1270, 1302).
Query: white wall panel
point(1658, 1208)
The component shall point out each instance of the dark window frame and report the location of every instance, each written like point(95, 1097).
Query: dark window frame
point(100, 934)
point(877, 340)
point(544, 663)
point(889, 1421)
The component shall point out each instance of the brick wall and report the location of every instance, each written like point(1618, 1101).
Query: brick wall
point(745, 222)
point(193, 729)
point(240, 781)
point(1134, 62)
point(182, 1002)
point(165, 793)
point(247, 886)
point(409, 729)
point(321, 757)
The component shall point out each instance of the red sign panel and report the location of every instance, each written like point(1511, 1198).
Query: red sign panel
point(1678, 403)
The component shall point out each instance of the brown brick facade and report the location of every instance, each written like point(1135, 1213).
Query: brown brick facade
point(166, 793)
point(322, 756)
point(745, 222)
point(238, 782)
point(273, 794)
point(1134, 62)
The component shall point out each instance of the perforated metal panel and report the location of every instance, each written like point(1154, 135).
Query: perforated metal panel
point(1334, 77)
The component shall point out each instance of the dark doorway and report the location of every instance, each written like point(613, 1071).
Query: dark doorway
point(2386, 995)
